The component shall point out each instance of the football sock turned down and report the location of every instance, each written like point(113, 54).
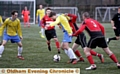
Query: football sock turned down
point(1, 49)
point(71, 54)
point(19, 51)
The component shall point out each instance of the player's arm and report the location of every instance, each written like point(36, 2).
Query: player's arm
point(57, 21)
point(80, 30)
point(22, 13)
point(29, 14)
point(112, 22)
point(73, 17)
point(37, 17)
point(19, 29)
point(42, 22)
point(3, 26)
point(102, 28)
point(1, 21)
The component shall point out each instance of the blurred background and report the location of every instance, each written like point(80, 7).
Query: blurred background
point(102, 10)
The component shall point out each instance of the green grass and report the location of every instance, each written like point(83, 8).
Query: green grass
point(37, 55)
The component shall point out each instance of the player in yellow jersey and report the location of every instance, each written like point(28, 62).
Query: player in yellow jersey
point(12, 32)
point(1, 21)
point(67, 32)
point(39, 15)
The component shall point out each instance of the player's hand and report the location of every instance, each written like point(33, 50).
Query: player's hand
point(66, 14)
point(36, 22)
point(74, 35)
point(22, 16)
point(114, 27)
point(46, 26)
point(70, 34)
point(21, 38)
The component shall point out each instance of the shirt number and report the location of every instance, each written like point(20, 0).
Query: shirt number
point(94, 24)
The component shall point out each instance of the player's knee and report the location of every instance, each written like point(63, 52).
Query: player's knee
point(118, 38)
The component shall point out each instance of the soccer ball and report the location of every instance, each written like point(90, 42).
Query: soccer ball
point(56, 58)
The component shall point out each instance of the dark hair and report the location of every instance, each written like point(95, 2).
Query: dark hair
point(86, 15)
point(48, 9)
point(13, 12)
point(52, 14)
point(119, 7)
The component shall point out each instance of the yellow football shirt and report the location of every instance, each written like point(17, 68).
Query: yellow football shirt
point(64, 22)
point(1, 21)
point(12, 28)
point(40, 13)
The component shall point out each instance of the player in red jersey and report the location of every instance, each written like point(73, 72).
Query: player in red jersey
point(96, 32)
point(81, 40)
point(26, 16)
point(50, 32)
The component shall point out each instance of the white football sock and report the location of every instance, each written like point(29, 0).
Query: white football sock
point(1, 50)
point(71, 54)
point(42, 31)
point(19, 51)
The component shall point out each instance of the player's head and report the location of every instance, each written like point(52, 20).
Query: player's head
point(53, 15)
point(25, 7)
point(48, 11)
point(40, 6)
point(85, 15)
point(14, 14)
point(119, 9)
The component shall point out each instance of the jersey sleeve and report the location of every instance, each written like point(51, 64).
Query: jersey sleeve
point(101, 27)
point(3, 26)
point(42, 22)
point(80, 30)
point(37, 13)
point(74, 17)
point(1, 21)
point(19, 29)
point(22, 12)
point(57, 21)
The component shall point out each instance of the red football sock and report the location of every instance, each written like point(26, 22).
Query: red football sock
point(48, 43)
point(95, 53)
point(113, 57)
point(90, 59)
point(57, 44)
point(77, 53)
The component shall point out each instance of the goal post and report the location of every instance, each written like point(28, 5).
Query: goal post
point(105, 14)
point(6, 6)
point(72, 10)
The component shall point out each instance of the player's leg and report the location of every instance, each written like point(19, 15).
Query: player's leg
point(20, 48)
point(77, 52)
point(65, 45)
point(117, 34)
point(97, 54)
point(2, 47)
point(28, 22)
point(91, 44)
point(102, 43)
point(5, 39)
point(24, 20)
point(54, 36)
point(90, 59)
point(48, 37)
point(57, 43)
point(16, 39)
point(112, 56)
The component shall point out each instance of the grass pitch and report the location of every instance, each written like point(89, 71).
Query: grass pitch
point(37, 55)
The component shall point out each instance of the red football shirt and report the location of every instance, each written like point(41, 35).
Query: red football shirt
point(46, 20)
point(26, 14)
point(93, 27)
